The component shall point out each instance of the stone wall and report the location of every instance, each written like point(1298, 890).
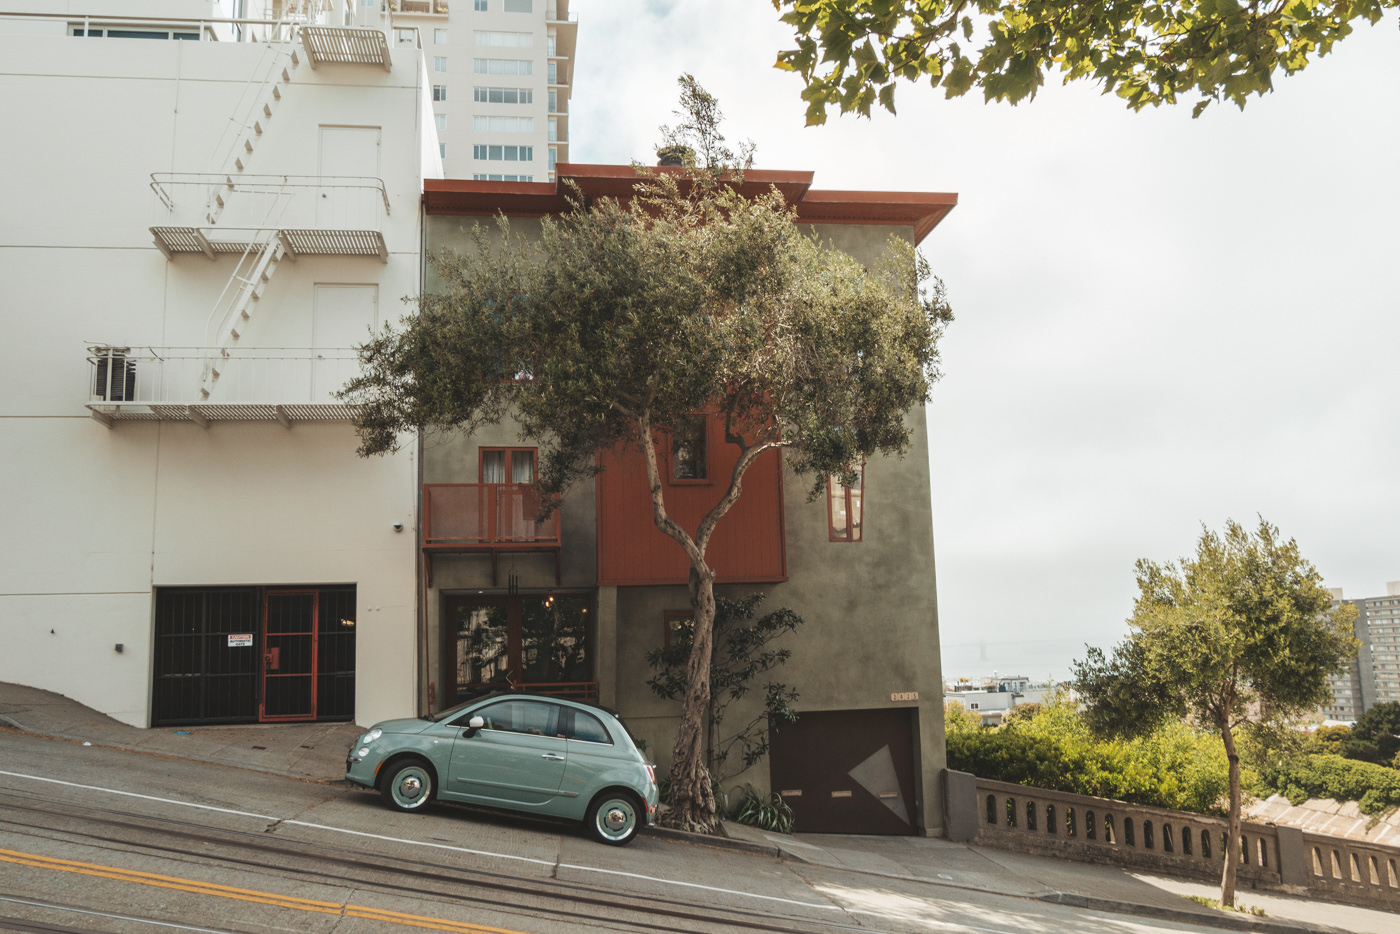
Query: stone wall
point(1099, 830)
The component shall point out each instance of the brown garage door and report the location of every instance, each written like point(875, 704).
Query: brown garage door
point(847, 771)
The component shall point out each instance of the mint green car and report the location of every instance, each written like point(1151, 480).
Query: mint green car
point(538, 755)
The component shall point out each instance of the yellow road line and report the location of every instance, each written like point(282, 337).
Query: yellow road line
point(197, 887)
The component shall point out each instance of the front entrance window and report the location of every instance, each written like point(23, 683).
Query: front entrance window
point(536, 642)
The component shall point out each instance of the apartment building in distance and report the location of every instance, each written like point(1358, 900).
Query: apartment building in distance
point(208, 204)
point(501, 75)
point(1374, 677)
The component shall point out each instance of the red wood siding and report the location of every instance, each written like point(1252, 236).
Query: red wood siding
point(747, 546)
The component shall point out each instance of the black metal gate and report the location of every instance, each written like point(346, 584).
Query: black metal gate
point(210, 655)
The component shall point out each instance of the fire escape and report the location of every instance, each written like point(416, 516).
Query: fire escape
point(264, 220)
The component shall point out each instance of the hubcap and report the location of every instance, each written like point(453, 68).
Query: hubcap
point(411, 786)
point(616, 819)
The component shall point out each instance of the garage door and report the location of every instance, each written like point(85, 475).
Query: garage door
point(848, 771)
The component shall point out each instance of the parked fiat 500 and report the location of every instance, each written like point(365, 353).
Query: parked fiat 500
point(539, 755)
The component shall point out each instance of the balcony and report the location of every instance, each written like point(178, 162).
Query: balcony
point(211, 213)
point(419, 7)
point(486, 518)
point(285, 385)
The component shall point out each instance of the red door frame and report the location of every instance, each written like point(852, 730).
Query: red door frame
point(272, 653)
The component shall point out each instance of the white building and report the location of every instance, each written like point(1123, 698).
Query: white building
point(501, 75)
point(189, 534)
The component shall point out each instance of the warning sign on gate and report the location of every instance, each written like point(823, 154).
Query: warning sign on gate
point(237, 639)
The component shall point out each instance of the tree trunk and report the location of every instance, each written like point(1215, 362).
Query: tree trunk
point(1232, 845)
point(692, 798)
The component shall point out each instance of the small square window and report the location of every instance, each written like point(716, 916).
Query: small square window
point(440, 63)
point(442, 150)
point(688, 449)
point(440, 122)
point(440, 37)
point(480, 6)
point(673, 625)
point(439, 92)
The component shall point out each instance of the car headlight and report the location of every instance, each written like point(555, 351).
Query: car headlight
point(370, 737)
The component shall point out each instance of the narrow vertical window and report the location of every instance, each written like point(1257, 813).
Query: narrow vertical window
point(688, 450)
point(845, 509)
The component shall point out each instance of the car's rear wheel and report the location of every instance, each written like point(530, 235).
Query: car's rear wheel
point(614, 818)
point(407, 785)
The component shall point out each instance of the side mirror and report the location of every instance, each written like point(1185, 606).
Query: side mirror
point(474, 724)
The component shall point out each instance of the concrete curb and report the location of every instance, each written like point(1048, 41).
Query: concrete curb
point(719, 843)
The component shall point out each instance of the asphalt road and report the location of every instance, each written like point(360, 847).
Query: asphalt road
point(97, 839)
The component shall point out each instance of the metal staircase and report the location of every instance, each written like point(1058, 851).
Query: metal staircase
point(263, 219)
point(245, 287)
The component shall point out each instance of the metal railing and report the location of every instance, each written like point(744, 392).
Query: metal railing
point(267, 28)
point(272, 201)
point(486, 516)
point(146, 376)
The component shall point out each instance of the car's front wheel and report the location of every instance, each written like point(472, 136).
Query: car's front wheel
point(614, 818)
point(407, 785)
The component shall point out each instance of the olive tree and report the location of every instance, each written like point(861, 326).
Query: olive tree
point(624, 318)
point(1241, 634)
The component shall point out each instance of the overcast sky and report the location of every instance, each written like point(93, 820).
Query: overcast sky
point(1160, 322)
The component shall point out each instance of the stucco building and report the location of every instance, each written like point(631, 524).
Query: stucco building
point(575, 605)
point(204, 213)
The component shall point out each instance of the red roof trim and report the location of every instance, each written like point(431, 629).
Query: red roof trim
point(459, 197)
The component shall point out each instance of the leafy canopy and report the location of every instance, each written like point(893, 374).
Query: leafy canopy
point(1242, 631)
point(1148, 52)
point(623, 318)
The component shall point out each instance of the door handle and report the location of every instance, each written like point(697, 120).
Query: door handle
point(552, 757)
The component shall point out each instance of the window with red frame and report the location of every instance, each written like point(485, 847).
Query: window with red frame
point(507, 465)
point(844, 508)
point(689, 451)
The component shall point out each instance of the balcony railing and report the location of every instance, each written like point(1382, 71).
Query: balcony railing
point(499, 516)
point(262, 384)
point(419, 7)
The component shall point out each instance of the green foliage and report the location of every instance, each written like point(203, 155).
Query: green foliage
point(1376, 735)
point(742, 652)
point(852, 53)
point(1172, 767)
point(958, 719)
point(1242, 631)
point(1329, 739)
point(771, 813)
point(697, 138)
point(1375, 787)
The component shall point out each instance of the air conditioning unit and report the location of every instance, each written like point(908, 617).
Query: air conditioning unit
point(114, 374)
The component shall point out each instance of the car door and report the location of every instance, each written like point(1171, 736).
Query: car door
point(515, 760)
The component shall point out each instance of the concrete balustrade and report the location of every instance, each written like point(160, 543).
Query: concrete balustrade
point(1100, 830)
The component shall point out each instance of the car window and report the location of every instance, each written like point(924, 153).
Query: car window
point(521, 716)
point(589, 729)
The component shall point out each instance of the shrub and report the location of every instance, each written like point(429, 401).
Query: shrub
point(1375, 787)
point(1174, 767)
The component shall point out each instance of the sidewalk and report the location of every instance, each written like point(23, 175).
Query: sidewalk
point(316, 752)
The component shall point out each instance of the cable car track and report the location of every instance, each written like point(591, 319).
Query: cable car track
point(122, 831)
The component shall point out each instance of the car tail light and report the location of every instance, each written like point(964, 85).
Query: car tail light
point(651, 773)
